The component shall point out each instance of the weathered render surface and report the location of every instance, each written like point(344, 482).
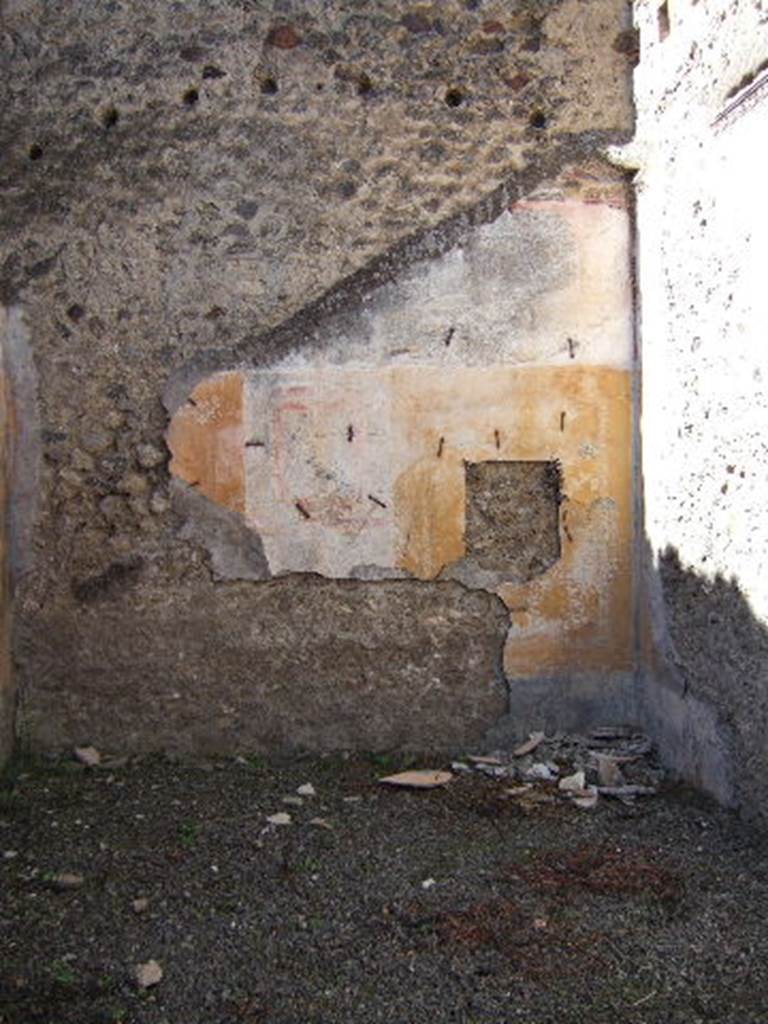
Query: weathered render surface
point(234, 200)
point(702, 103)
point(7, 695)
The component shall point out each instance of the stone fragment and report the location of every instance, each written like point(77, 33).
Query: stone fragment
point(527, 747)
point(112, 507)
point(159, 503)
point(139, 505)
point(608, 771)
point(497, 771)
point(516, 791)
point(542, 772)
point(293, 801)
point(82, 460)
point(424, 779)
point(89, 756)
point(114, 419)
point(116, 762)
point(306, 789)
point(587, 800)
point(483, 759)
point(148, 456)
point(140, 905)
point(96, 440)
point(133, 483)
point(570, 783)
point(69, 476)
point(320, 823)
point(281, 818)
point(66, 880)
point(148, 974)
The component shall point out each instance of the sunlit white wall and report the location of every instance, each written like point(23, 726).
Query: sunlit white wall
point(703, 277)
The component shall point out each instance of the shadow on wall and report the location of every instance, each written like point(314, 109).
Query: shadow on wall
point(704, 680)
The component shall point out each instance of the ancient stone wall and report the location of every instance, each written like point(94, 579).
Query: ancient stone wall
point(702, 105)
point(346, 248)
point(7, 694)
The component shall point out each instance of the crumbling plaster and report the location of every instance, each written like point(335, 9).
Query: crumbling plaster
point(516, 346)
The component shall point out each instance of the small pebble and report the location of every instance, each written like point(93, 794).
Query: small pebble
point(66, 880)
point(148, 974)
point(281, 818)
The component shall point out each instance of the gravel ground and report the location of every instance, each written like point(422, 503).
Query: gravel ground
point(455, 904)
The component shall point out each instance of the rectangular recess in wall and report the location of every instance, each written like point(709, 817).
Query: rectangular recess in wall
point(513, 516)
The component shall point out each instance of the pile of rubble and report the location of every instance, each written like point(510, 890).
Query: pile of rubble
point(612, 761)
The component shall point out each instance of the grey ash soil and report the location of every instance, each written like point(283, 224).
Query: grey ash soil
point(653, 914)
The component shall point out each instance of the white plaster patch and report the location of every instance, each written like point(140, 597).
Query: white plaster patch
point(544, 284)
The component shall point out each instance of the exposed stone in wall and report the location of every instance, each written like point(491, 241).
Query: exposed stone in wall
point(702, 116)
point(218, 186)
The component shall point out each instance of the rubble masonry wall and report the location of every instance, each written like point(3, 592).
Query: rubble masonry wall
point(238, 202)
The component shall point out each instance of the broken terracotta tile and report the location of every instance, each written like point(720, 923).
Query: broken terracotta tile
point(89, 756)
point(519, 790)
point(529, 745)
point(424, 779)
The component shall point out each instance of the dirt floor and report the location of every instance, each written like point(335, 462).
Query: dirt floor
point(461, 904)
